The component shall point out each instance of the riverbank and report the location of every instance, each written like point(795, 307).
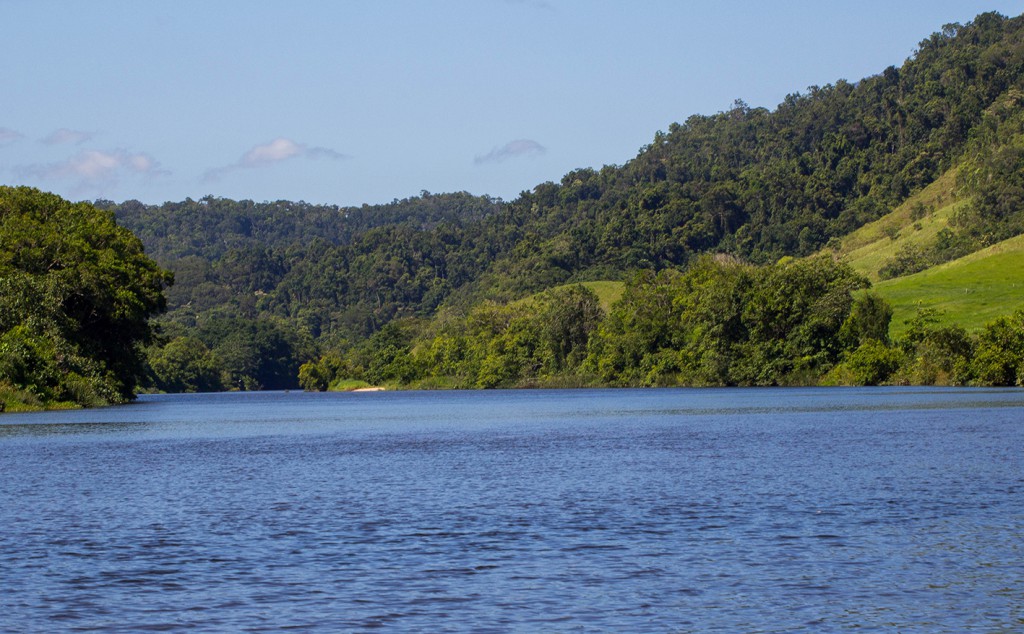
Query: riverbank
point(353, 385)
point(13, 400)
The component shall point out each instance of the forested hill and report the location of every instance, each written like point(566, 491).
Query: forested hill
point(754, 183)
point(765, 184)
point(322, 264)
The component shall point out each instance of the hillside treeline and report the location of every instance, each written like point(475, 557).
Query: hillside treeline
point(718, 323)
point(752, 183)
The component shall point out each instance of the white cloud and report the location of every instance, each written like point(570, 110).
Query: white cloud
point(66, 136)
point(142, 163)
point(96, 165)
point(276, 151)
point(512, 149)
point(90, 169)
point(89, 165)
point(8, 135)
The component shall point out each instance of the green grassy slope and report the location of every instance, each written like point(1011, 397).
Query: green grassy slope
point(873, 245)
point(970, 291)
point(608, 292)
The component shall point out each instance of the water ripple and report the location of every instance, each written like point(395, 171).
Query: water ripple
point(609, 510)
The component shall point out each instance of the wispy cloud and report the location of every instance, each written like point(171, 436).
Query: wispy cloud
point(93, 168)
point(274, 152)
point(512, 149)
point(278, 150)
point(324, 152)
point(8, 135)
point(66, 136)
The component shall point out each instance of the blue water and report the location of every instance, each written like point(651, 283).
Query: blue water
point(594, 510)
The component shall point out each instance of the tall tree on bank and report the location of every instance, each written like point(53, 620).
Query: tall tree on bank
point(76, 295)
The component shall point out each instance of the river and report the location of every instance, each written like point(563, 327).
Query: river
point(755, 510)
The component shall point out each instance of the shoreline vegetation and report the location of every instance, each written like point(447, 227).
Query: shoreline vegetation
point(810, 322)
point(13, 400)
point(76, 296)
point(349, 385)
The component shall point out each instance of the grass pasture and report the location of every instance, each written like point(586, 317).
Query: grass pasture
point(971, 291)
point(870, 247)
point(608, 292)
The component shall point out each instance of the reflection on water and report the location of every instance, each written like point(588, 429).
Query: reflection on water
point(608, 510)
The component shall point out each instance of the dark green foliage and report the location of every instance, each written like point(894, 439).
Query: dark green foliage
point(669, 323)
point(333, 272)
point(315, 376)
point(76, 293)
point(256, 354)
point(385, 356)
point(568, 316)
point(929, 354)
point(721, 322)
point(793, 317)
point(725, 323)
point(994, 174)
point(185, 364)
point(999, 359)
point(935, 354)
point(868, 321)
point(319, 375)
point(526, 342)
point(909, 259)
point(873, 362)
point(523, 343)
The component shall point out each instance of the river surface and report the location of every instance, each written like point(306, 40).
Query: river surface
point(732, 510)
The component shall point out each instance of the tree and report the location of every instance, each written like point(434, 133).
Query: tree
point(868, 321)
point(999, 359)
point(935, 354)
point(873, 363)
point(568, 316)
point(70, 275)
point(257, 354)
point(185, 364)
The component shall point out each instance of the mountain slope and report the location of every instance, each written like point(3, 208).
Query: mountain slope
point(913, 224)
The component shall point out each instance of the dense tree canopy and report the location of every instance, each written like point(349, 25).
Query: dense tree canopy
point(76, 294)
point(725, 323)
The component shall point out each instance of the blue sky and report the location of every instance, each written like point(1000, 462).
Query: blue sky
point(352, 102)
